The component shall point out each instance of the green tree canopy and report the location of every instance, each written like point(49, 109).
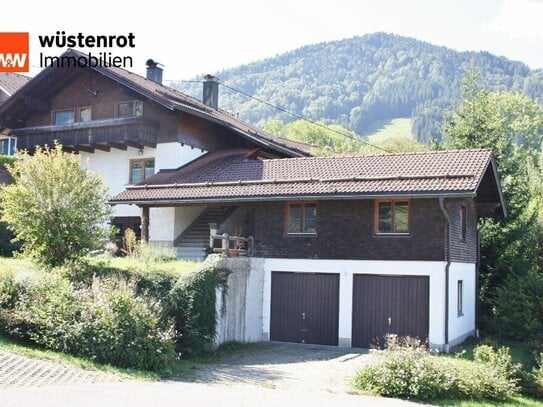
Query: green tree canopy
point(55, 207)
point(511, 125)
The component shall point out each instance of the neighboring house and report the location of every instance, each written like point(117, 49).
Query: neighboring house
point(9, 84)
point(346, 248)
point(128, 127)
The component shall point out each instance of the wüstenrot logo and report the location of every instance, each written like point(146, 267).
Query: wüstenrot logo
point(14, 52)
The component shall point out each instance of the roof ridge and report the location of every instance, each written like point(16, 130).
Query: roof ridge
point(396, 154)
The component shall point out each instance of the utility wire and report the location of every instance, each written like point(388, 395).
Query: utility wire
point(299, 116)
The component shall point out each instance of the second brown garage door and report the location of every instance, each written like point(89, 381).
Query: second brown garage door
point(389, 304)
point(304, 307)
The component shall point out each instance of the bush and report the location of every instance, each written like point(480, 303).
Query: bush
point(519, 307)
point(106, 321)
point(55, 206)
point(191, 302)
point(407, 370)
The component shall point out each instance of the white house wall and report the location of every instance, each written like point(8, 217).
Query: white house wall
point(461, 326)
point(114, 166)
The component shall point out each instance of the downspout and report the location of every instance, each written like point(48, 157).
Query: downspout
point(447, 265)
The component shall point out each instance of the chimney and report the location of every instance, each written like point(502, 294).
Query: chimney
point(154, 72)
point(211, 92)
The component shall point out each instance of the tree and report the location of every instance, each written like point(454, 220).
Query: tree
point(511, 125)
point(55, 206)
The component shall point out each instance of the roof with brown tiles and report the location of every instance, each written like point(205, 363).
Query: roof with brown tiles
point(175, 99)
point(235, 175)
point(12, 82)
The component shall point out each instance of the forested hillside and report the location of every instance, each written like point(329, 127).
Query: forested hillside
point(361, 81)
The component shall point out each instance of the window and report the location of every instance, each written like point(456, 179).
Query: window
point(131, 108)
point(463, 223)
point(392, 217)
point(8, 145)
point(64, 116)
point(85, 114)
point(141, 169)
point(460, 293)
point(301, 217)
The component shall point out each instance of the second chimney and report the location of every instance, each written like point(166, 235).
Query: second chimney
point(154, 72)
point(211, 92)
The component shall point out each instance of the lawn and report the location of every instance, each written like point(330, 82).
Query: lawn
point(388, 130)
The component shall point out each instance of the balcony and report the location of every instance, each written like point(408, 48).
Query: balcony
point(94, 135)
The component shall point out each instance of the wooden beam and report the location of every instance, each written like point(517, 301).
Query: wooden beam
point(118, 146)
point(145, 224)
point(103, 147)
point(87, 149)
point(134, 144)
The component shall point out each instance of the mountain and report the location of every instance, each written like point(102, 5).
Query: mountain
point(365, 81)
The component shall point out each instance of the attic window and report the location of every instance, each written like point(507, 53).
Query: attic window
point(131, 108)
point(63, 116)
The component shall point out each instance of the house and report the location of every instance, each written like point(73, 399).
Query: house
point(346, 248)
point(9, 84)
point(127, 127)
point(341, 250)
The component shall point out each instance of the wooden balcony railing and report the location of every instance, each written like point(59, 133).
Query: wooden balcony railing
point(232, 246)
point(136, 132)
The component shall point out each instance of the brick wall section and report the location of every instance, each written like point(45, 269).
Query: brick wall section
point(463, 251)
point(345, 231)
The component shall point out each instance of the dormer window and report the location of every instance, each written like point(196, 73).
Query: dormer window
point(63, 116)
point(131, 108)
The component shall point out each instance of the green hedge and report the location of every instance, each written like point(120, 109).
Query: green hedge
point(191, 302)
point(90, 309)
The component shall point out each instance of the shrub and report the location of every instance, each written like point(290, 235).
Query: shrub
point(519, 307)
point(130, 243)
point(406, 369)
point(8, 293)
point(106, 321)
point(55, 206)
point(191, 302)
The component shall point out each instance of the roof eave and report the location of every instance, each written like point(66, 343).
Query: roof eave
point(314, 197)
point(492, 163)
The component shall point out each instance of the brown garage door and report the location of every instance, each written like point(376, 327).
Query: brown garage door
point(304, 307)
point(389, 304)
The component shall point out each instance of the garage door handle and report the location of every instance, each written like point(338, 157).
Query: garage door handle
point(303, 315)
point(389, 321)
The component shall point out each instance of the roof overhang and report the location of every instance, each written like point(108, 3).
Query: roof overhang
point(293, 197)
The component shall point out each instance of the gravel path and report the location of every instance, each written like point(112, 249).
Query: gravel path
point(22, 371)
point(287, 366)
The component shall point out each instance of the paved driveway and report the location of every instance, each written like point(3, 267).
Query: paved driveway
point(287, 367)
point(271, 375)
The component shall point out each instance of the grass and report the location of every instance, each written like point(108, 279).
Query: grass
point(180, 368)
point(520, 352)
point(17, 265)
point(383, 131)
point(31, 351)
point(518, 401)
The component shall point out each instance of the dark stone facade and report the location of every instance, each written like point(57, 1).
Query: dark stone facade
point(345, 231)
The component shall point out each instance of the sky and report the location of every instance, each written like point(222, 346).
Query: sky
point(196, 37)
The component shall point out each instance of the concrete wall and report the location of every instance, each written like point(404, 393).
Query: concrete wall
point(239, 306)
point(247, 303)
